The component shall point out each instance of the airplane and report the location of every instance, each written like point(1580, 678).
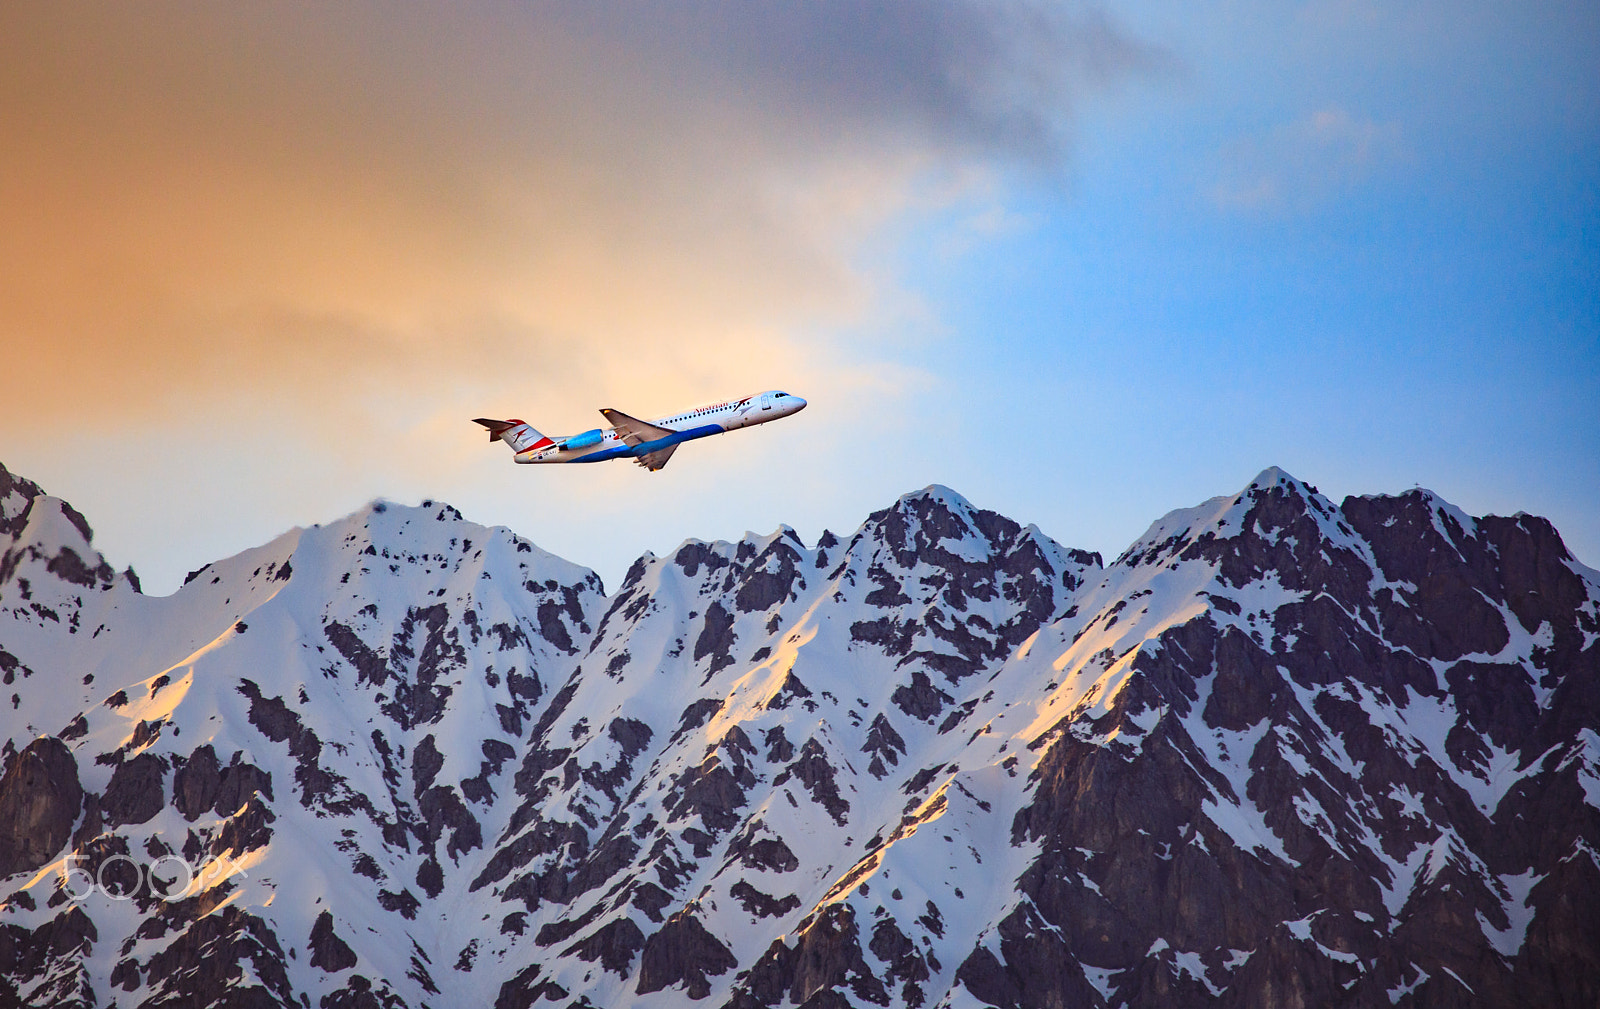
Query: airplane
point(648, 443)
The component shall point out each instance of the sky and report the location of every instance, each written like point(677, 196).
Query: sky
point(1085, 264)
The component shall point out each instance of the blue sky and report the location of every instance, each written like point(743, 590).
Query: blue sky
point(1084, 264)
point(1412, 300)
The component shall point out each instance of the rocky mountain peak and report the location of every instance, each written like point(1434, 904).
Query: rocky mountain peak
point(57, 594)
point(936, 522)
point(44, 539)
point(1500, 579)
point(16, 496)
point(1276, 521)
point(1279, 749)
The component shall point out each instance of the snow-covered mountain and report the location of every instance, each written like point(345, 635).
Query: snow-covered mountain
point(1281, 752)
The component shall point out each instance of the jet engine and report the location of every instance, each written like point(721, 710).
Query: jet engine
point(587, 439)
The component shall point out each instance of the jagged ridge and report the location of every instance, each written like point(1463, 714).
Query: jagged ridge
point(1280, 749)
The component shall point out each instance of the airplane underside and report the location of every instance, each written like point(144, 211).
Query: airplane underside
point(648, 443)
point(652, 455)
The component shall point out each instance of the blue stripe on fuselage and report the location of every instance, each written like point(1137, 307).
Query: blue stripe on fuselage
point(645, 448)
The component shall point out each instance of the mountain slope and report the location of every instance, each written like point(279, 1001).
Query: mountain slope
point(1280, 750)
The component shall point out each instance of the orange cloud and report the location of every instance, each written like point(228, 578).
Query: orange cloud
point(328, 205)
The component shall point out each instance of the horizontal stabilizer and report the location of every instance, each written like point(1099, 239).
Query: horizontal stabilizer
point(513, 432)
point(496, 427)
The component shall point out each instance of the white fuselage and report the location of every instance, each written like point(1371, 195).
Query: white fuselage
point(628, 438)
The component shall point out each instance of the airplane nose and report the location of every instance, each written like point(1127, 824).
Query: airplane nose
point(799, 404)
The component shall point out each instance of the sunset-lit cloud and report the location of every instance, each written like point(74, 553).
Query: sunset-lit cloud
point(332, 205)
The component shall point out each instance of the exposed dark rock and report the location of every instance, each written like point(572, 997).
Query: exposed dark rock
point(906, 963)
point(249, 828)
point(39, 802)
point(697, 714)
point(884, 744)
point(607, 859)
point(441, 808)
point(768, 853)
point(791, 690)
point(206, 963)
point(404, 902)
point(763, 905)
point(552, 628)
point(419, 694)
point(11, 666)
point(360, 993)
point(237, 783)
point(69, 567)
point(691, 556)
point(328, 951)
point(135, 792)
point(716, 638)
point(426, 760)
point(710, 791)
point(613, 944)
point(278, 722)
point(1038, 968)
point(762, 589)
point(631, 733)
point(812, 770)
point(1448, 615)
point(27, 491)
point(47, 962)
point(525, 988)
point(651, 899)
point(826, 957)
point(682, 952)
point(893, 636)
point(920, 698)
point(779, 749)
point(430, 877)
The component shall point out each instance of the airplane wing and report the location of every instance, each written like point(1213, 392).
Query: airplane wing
point(634, 431)
point(655, 460)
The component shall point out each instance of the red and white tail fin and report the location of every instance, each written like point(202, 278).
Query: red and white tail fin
point(515, 433)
